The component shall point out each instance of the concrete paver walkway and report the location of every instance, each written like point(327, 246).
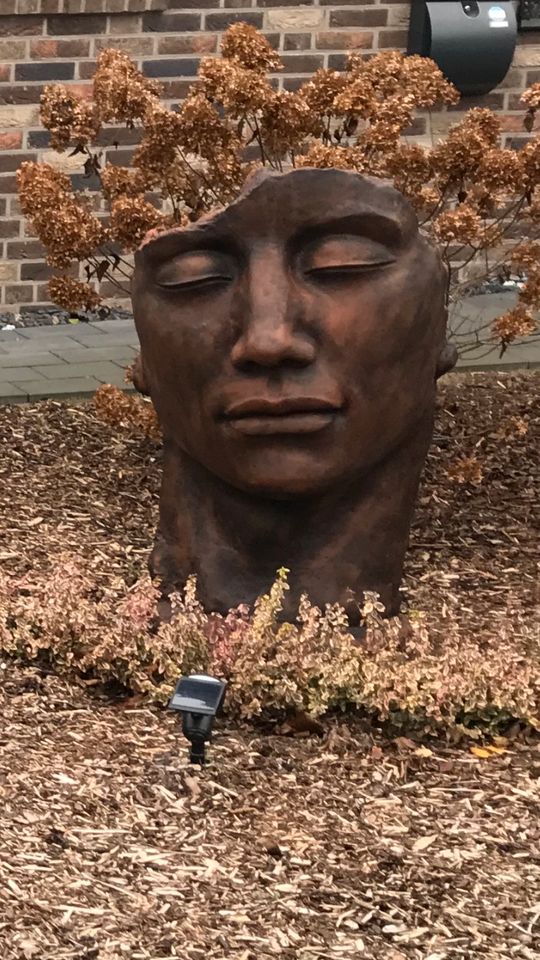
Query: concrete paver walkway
point(73, 360)
point(66, 360)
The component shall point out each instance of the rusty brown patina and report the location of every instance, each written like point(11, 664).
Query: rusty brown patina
point(291, 345)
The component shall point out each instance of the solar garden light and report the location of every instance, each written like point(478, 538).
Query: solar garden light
point(198, 698)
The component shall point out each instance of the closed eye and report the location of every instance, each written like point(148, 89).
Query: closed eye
point(337, 270)
point(196, 283)
point(335, 257)
point(195, 270)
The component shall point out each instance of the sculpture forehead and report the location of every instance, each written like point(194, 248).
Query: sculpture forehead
point(278, 205)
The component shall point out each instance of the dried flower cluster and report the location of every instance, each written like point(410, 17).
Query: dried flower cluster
point(401, 672)
point(474, 198)
point(116, 408)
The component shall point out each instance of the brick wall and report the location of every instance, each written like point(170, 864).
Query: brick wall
point(46, 40)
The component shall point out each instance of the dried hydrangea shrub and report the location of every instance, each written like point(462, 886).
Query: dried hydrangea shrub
point(477, 200)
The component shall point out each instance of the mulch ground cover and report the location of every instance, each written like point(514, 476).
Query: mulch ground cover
point(344, 845)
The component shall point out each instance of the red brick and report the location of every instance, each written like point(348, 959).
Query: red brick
point(375, 17)
point(344, 41)
point(8, 184)
point(5, 71)
point(115, 6)
point(297, 41)
point(307, 63)
point(12, 50)
point(28, 6)
point(12, 161)
point(45, 70)
point(94, 6)
point(48, 49)
point(20, 93)
point(393, 38)
point(134, 46)
point(175, 67)
point(18, 293)
point(220, 21)
point(173, 23)
point(198, 43)
point(176, 89)
point(87, 69)
point(514, 102)
point(285, 3)
point(110, 136)
point(20, 26)
point(24, 250)
point(73, 25)
point(9, 228)
point(512, 123)
point(11, 140)
point(417, 128)
point(35, 270)
point(43, 48)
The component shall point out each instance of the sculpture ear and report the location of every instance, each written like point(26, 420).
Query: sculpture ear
point(138, 377)
point(447, 359)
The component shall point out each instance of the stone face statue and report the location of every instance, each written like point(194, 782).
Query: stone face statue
point(291, 345)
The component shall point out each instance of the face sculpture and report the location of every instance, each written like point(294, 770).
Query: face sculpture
point(290, 344)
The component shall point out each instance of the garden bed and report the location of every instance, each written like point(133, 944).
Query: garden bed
point(304, 849)
point(348, 844)
point(70, 483)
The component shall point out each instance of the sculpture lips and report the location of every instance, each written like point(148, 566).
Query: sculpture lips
point(289, 415)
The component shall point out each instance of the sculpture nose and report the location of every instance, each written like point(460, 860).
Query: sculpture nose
point(272, 317)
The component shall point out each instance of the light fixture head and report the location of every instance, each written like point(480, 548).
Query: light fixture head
point(198, 698)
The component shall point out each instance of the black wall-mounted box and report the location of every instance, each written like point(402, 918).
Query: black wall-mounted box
point(472, 41)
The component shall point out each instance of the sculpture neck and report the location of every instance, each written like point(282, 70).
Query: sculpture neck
point(335, 545)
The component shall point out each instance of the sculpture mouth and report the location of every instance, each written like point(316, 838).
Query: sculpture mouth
point(292, 415)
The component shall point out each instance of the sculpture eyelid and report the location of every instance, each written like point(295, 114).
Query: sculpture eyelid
point(213, 269)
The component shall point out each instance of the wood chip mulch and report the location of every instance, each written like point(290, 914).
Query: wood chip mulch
point(348, 845)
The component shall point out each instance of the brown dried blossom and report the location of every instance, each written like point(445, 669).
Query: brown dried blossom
point(201, 130)
point(388, 121)
point(515, 323)
point(531, 97)
point(427, 83)
point(69, 120)
point(285, 122)
point(244, 45)
point(409, 167)
point(326, 157)
point(466, 470)
point(321, 91)
point(501, 171)
point(116, 408)
point(462, 225)
point(132, 218)
point(73, 294)
point(122, 181)
point(530, 157)
point(122, 94)
point(63, 221)
point(239, 90)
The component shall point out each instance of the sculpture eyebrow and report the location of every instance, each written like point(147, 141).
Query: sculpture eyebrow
point(374, 226)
